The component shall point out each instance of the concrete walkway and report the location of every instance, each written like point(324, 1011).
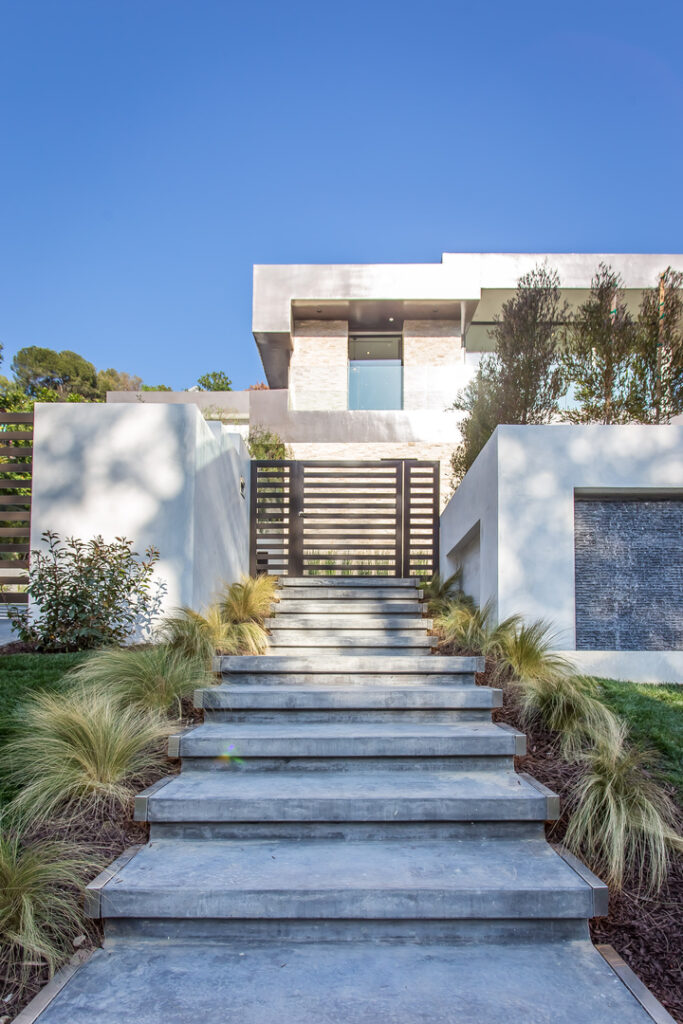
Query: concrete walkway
point(347, 842)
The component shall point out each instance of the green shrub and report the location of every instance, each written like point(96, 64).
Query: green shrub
point(151, 678)
point(80, 751)
point(621, 821)
point(267, 445)
point(41, 893)
point(88, 594)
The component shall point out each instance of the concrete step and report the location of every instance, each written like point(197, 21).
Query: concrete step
point(348, 582)
point(243, 680)
point(379, 664)
point(329, 880)
point(334, 697)
point(315, 639)
point(340, 599)
point(349, 623)
point(346, 797)
point(226, 740)
point(358, 649)
point(360, 982)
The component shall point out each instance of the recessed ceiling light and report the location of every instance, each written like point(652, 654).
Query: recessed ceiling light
point(391, 319)
point(318, 310)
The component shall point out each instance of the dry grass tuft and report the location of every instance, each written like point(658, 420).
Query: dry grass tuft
point(621, 821)
point(81, 752)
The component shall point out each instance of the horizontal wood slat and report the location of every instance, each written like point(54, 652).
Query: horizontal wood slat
point(344, 518)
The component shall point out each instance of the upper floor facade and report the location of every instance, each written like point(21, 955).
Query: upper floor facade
point(381, 337)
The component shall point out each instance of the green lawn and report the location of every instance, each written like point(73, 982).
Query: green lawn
point(24, 674)
point(655, 719)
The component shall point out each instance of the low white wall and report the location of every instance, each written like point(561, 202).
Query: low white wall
point(157, 474)
point(521, 491)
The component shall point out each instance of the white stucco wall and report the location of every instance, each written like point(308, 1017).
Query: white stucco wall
point(521, 491)
point(157, 474)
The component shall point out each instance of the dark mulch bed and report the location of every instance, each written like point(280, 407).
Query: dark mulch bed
point(647, 931)
point(18, 647)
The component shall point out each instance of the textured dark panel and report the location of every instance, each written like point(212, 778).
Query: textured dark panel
point(629, 575)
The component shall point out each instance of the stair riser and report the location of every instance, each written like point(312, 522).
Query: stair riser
point(404, 931)
point(348, 623)
point(356, 904)
point(244, 698)
point(357, 679)
point(423, 664)
point(332, 810)
point(353, 583)
point(377, 639)
point(362, 715)
point(328, 604)
point(347, 831)
point(297, 747)
point(357, 649)
point(321, 764)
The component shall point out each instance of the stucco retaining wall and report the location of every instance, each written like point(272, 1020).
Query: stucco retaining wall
point(519, 495)
point(157, 474)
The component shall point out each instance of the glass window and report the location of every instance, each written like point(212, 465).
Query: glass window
point(375, 372)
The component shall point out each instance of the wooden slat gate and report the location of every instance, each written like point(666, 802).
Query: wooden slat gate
point(16, 455)
point(345, 518)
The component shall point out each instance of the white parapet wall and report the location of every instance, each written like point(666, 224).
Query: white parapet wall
point(157, 474)
point(511, 527)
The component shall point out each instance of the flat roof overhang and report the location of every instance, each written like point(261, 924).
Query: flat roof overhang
point(369, 295)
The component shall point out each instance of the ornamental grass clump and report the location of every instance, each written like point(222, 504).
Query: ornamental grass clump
point(41, 902)
point(196, 636)
point(621, 821)
point(469, 628)
point(549, 691)
point(442, 591)
point(250, 600)
point(150, 678)
point(81, 752)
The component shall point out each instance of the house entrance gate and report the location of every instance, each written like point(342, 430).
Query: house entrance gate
point(345, 518)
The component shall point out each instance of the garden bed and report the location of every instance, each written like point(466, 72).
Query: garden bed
point(646, 930)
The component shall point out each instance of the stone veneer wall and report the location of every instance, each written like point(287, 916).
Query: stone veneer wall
point(433, 363)
point(353, 451)
point(318, 371)
point(629, 574)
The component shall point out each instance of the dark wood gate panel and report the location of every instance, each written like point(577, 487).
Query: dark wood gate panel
point(16, 455)
point(345, 518)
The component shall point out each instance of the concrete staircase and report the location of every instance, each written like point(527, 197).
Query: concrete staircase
point(347, 842)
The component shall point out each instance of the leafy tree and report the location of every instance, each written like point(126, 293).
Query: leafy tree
point(217, 380)
point(522, 382)
point(482, 401)
point(600, 353)
point(259, 386)
point(155, 387)
point(266, 444)
point(527, 334)
point(114, 380)
point(65, 373)
point(659, 360)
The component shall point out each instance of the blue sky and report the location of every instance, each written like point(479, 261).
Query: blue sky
point(153, 150)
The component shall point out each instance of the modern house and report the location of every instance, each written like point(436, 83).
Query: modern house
point(364, 361)
point(581, 525)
